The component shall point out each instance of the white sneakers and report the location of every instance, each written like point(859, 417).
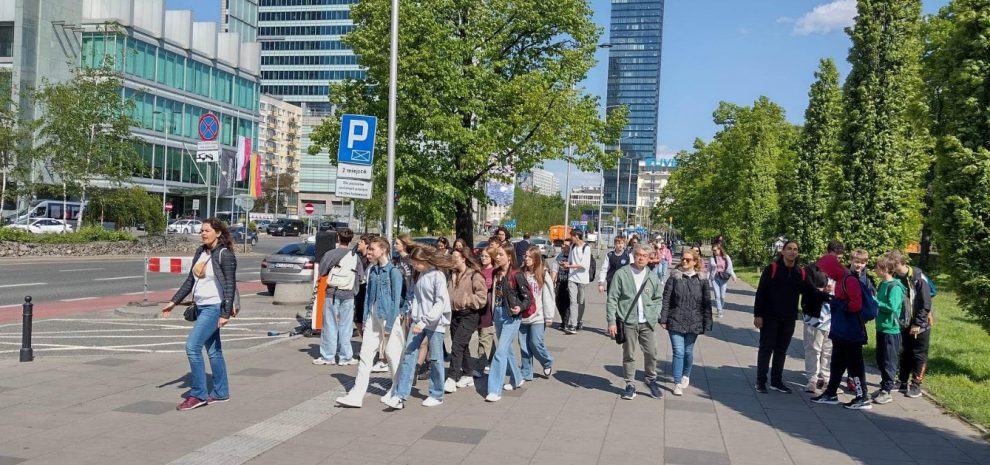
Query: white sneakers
point(685, 382)
point(449, 386)
point(492, 398)
point(323, 361)
point(678, 390)
point(464, 382)
point(547, 372)
point(380, 367)
point(394, 402)
point(432, 402)
point(348, 401)
point(349, 362)
point(510, 387)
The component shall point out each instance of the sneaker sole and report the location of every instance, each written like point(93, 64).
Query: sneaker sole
point(826, 402)
point(772, 388)
point(862, 407)
point(204, 404)
point(217, 401)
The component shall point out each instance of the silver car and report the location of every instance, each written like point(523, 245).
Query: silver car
point(546, 247)
point(293, 263)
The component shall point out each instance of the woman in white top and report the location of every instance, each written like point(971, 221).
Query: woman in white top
point(531, 340)
point(212, 282)
point(429, 316)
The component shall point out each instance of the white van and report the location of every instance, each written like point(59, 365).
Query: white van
point(53, 209)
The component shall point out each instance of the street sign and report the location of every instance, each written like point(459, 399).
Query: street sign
point(575, 223)
point(509, 224)
point(207, 151)
point(309, 209)
point(209, 127)
point(246, 202)
point(347, 170)
point(195, 205)
point(353, 188)
point(168, 206)
point(584, 217)
point(357, 139)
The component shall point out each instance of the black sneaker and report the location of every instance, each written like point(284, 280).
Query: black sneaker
point(914, 390)
point(654, 390)
point(903, 388)
point(569, 330)
point(780, 387)
point(825, 399)
point(579, 327)
point(859, 403)
point(629, 393)
point(761, 388)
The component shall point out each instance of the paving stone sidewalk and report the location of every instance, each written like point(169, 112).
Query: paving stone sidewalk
point(120, 410)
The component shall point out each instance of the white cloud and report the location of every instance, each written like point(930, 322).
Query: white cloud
point(826, 18)
point(785, 20)
point(666, 152)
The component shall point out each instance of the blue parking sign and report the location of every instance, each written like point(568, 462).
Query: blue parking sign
point(357, 139)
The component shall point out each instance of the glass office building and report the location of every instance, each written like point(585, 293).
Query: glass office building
point(301, 53)
point(636, 37)
point(240, 16)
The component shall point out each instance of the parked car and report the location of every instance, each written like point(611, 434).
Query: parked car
point(286, 227)
point(331, 225)
point(292, 263)
point(546, 247)
point(42, 225)
point(186, 227)
point(237, 234)
point(430, 241)
point(262, 225)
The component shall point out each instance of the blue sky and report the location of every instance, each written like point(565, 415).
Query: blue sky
point(715, 50)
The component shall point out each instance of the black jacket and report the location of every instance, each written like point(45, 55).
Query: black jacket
point(226, 268)
point(921, 298)
point(687, 303)
point(778, 293)
point(517, 295)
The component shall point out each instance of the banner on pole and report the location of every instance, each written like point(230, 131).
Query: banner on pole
point(255, 181)
point(228, 167)
point(243, 157)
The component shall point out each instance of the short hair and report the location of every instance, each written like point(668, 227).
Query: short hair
point(897, 257)
point(525, 235)
point(366, 238)
point(642, 247)
point(620, 239)
point(818, 279)
point(860, 254)
point(380, 242)
point(835, 247)
point(344, 236)
point(577, 233)
point(886, 264)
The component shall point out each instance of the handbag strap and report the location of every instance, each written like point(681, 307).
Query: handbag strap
point(646, 279)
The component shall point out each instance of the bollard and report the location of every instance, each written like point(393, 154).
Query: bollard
point(146, 279)
point(27, 354)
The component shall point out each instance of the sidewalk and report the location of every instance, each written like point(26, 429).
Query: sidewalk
point(120, 410)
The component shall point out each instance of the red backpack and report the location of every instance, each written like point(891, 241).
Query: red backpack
point(527, 312)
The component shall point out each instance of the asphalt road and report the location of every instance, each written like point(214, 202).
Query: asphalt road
point(70, 279)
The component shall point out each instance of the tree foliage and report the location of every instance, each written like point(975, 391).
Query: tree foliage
point(270, 186)
point(884, 137)
point(16, 142)
point(535, 213)
point(958, 77)
point(804, 212)
point(126, 208)
point(485, 90)
point(730, 186)
point(85, 131)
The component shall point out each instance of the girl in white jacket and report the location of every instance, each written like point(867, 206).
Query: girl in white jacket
point(531, 342)
point(429, 316)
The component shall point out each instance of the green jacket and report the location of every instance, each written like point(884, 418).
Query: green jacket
point(619, 303)
point(890, 298)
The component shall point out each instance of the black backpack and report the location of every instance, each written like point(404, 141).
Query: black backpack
point(593, 272)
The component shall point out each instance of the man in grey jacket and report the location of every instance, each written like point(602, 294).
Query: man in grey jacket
point(344, 272)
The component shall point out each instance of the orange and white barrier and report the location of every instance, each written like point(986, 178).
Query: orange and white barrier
point(169, 264)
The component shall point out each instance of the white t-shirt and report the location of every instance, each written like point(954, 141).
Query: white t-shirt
point(638, 277)
point(580, 255)
point(206, 290)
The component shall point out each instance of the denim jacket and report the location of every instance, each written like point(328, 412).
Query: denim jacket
point(385, 288)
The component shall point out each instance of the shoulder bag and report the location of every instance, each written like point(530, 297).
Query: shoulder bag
point(620, 332)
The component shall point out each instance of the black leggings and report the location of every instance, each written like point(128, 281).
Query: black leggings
point(463, 324)
point(847, 356)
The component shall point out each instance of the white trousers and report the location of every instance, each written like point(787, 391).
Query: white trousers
point(371, 340)
point(817, 354)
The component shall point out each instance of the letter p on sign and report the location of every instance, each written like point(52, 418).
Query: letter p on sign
point(357, 132)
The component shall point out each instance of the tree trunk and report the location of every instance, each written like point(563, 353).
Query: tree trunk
point(3, 192)
point(464, 223)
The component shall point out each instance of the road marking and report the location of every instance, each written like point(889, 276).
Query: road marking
point(22, 285)
point(118, 277)
point(82, 269)
point(10, 306)
point(78, 299)
point(135, 293)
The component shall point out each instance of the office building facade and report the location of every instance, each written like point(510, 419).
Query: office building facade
point(636, 37)
point(173, 69)
point(302, 50)
point(240, 16)
point(585, 195)
point(278, 145)
point(654, 174)
point(539, 181)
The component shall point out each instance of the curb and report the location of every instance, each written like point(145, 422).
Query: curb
point(151, 311)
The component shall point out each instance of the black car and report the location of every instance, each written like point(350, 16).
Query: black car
point(237, 234)
point(331, 225)
point(286, 227)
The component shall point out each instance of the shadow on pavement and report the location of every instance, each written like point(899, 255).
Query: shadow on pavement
point(586, 381)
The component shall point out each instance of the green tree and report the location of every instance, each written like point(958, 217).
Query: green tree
point(884, 137)
point(16, 143)
point(85, 130)
point(958, 72)
point(535, 212)
point(485, 90)
point(270, 186)
point(127, 208)
point(804, 213)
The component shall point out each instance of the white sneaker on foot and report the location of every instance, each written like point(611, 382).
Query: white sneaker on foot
point(348, 401)
point(465, 381)
point(380, 367)
point(510, 387)
point(449, 386)
point(323, 361)
point(345, 363)
point(388, 395)
point(394, 402)
point(492, 398)
point(432, 402)
point(678, 391)
point(685, 382)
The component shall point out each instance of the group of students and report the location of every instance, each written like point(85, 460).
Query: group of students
point(411, 301)
point(837, 302)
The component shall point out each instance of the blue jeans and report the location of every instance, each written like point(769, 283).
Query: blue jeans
point(682, 345)
point(531, 345)
point(720, 288)
point(206, 333)
point(662, 269)
point(407, 369)
point(338, 327)
point(504, 360)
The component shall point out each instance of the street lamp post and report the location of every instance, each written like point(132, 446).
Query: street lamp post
point(164, 159)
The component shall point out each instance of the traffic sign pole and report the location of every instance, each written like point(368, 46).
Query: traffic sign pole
point(393, 71)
